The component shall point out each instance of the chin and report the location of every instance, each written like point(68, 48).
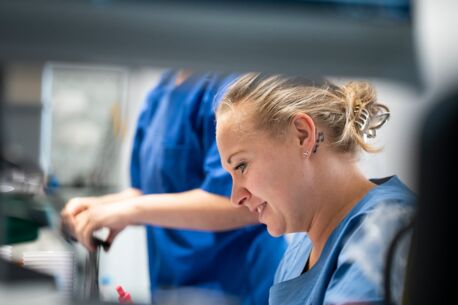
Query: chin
point(275, 231)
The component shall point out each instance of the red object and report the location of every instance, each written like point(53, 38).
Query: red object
point(124, 297)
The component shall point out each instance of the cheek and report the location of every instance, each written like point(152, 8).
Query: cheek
point(275, 188)
point(289, 192)
point(285, 179)
point(275, 177)
point(262, 181)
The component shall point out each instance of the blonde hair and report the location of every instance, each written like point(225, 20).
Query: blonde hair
point(350, 113)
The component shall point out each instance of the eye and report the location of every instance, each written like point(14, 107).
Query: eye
point(241, 166)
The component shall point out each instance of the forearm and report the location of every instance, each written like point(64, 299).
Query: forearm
point(121, 196)
point(194, 210)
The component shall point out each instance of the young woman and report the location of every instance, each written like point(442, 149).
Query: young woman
point(290, 146)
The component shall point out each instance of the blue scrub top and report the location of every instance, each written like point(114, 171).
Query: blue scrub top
point(350, 268)
point(174, 151)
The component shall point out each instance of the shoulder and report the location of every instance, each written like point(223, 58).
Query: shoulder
point(383, 211)
point(164, 83)
point(389, 194)
point(365, 238)
point(372, 224)
point(392, 187)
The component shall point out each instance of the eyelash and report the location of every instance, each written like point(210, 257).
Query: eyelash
point(241, 166)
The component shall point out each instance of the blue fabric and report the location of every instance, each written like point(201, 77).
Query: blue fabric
point(174, 151)
point(350, 268)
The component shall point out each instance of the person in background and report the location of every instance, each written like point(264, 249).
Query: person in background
point(290, 146)
point(180, 192)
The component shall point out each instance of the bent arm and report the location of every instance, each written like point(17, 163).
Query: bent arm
point(192, 210)
point(195, 210)
point(123, 195)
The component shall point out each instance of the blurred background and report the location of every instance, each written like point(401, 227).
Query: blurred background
point(73, 75)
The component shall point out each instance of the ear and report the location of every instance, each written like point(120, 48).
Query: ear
point(304, 128)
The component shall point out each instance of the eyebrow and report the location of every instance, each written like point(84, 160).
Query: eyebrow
point(230, 157)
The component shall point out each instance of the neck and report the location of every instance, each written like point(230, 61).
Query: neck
point(340, 188)
point(182, 76)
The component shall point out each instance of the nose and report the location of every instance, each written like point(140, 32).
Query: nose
point(239, 195)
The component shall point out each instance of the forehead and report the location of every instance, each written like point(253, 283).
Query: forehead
point(236, 132)
point(235, 126)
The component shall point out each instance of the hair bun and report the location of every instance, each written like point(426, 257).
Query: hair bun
point(366, 114)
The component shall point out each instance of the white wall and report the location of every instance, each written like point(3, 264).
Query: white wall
point(436, 37)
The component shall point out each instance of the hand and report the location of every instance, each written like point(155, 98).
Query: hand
point(114, 216)
point(74, 207)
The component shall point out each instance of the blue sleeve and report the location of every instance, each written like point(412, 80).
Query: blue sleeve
point(217, 179)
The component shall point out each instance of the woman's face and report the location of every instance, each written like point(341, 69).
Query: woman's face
point(267, 173)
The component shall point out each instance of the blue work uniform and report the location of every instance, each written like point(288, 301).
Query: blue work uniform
point(350, 267)
point(175, 151)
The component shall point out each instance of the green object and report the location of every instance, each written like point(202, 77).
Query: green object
point(20, 218)
point(19, 230)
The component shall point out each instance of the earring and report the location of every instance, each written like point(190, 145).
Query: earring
point(306, 154)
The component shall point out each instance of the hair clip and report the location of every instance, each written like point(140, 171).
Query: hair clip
point(368, 124)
